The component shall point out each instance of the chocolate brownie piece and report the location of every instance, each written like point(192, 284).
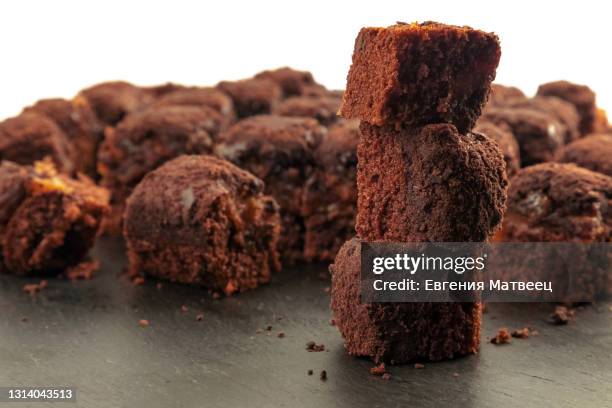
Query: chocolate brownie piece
point(563, 111)
point(593, 152)
point(147, 139)
point(280, 151)
point(112, 101)
point(322, 108)
point(428, 184)
point(501, 94)
point(538, 134)
point(30, 136)
point(425, 73)
point(81, 126)
point(506, 142)
point(200, 220)
point(252, 96)
point(559, 202)
point(210, 97)
point(292, 81)
point(48, 221)
point(330, 196)
point(581, 96)
point(397, 333)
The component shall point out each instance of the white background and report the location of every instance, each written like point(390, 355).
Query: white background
point(55, 47)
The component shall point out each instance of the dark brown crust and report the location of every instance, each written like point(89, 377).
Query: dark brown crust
point(322, 108)
point(581, 96)
point(144, 141)
point(593, 152)
point(81, 126)
point(539, 135)
point(291, 81)
point(49, 221)
point(411, 183)
point(330, 195)
point(398, 333)
point(506, 142)
point(426, 73)
point(252, 96)
point(113, 101)
point(201, 220)
point(280, 151)
point(30, 136)
point(559, 202)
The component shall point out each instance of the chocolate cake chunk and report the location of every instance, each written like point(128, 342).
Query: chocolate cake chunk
point(593, 152)
point(322, 108)
point(210, 97)
point(554, 202)
point(501, 94)
point(81, 126)
point(292, 81)
point(559, 202)
point(429, 184)
point(563, 111)
point(506, 142)
point(147, 139)
point(252, 96)
point(397, 333)
point(330, 196)
point(280, 151)
point(202, 221)
point(538, 134)
point(581, 96)
point(112, 101)
point(425, 73)
point(48, 221)
point(30, 136)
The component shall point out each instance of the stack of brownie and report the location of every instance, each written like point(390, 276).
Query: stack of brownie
point(423, 176)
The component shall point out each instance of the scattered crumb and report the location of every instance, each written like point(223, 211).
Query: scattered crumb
point(323, 375)
point(24, 319)
point(184, 309)
point(561, 315)
point(230, 288)
point(279, 318)
point(455, 375)
point(312, 346)
point(159, 286)
point(419, 365)
point(269, 327)
point(326, 289)
point(280, 335)
point(386, 376)
point(332, 322)
point(521, 333)
point(34, 288)
point(216, 295)
point(378, 370)
point(84, 270)
point(534, 333)
point(138, 281)
point(143, 322)
point(258, 331)
point(200, 317)
point(310, 372)
point(503, 337)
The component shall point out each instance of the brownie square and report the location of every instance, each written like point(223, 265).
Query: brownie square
point(292, 81)
point(48, 221)
point(330, 195)
point(581, 96)
point(200, 220)
point(407, 75)
point(113, 101)
point(322, 108)
point(592, 152)
point(255, 96)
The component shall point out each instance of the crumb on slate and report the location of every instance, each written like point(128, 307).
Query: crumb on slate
point(184, 309)
point(332, 322)
point(143, 322)
point(138, 281)
point(561, 316)
point(84, 270)
point(455, 375)
point(159, 286)
point(503, 337)
point(34, 288)
point(323, 375)
point(386, 376)
point(200, 317)
point(310, 372)
point(419, 366)
point(280, 335)
point(269, 327)
point(311, 346)
point(378, 370)
point(521, 333)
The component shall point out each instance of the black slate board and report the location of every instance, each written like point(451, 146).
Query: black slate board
point(86, 334)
